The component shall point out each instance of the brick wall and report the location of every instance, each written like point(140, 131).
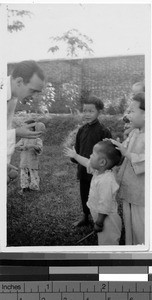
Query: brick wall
point(108, 77)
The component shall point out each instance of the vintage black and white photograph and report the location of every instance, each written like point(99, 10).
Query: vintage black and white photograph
point(76, 87)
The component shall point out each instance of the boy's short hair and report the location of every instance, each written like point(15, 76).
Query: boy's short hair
point(94, 100)
point(26, 69)
point(113, 154)
point(140, 97)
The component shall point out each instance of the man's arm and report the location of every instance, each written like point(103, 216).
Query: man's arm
point(11, 140)
point(24, 132)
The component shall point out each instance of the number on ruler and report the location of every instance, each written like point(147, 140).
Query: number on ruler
point(103, 287)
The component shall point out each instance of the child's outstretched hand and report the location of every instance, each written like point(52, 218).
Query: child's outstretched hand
point(70, 152)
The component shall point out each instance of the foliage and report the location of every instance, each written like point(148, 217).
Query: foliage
point(85, 93)
point(40, 103)
point(48, 97)
point(123, 105)
point(75, 41)
point(116, 107)
point(70, 92)
point(12, 15)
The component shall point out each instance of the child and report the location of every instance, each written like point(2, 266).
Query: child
point(29, 163)
point(132, 174)
point(103, 188)
point(88, 135)
point(138, 87)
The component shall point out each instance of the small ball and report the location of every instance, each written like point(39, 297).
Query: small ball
point(13, 174)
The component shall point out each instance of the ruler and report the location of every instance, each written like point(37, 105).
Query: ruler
point(75, 290)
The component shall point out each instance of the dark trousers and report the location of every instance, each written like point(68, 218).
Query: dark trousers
point(84, 192)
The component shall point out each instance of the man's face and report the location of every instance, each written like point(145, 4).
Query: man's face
point(25, 91)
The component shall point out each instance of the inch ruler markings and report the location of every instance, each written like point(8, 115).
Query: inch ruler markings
point(67, 290)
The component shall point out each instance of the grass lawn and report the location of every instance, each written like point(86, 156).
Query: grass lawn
point(45, 218)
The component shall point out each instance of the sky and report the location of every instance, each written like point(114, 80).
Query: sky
point(116, 29)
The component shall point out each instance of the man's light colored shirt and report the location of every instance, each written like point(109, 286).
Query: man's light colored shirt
point(11, 133)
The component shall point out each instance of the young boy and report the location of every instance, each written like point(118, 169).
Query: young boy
point(88, 135)
point(132, 174)
point(102, 202)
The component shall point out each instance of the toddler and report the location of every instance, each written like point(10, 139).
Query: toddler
point(101, 201)
point(29, 159)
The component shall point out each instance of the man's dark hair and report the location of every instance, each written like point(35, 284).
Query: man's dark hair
point(94, 100)
point(26, 69)
point(141, 99)
point(113, 154)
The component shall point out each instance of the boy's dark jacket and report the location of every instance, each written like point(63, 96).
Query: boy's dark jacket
point(88, 135)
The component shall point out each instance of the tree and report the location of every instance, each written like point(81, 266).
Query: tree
point(16, 25)
point(75, 42)
point(70, 92)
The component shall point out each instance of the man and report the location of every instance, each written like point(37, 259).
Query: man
point(26, 81)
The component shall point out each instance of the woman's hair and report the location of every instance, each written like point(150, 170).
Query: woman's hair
point(141, 85)
point(94, 100)
point(113, 154)
point(26, 69)
point(141, 99)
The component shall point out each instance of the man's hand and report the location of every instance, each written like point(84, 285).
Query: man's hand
point(19, 148)
point(70, 152)
point(24, 132)
point(12, 173)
